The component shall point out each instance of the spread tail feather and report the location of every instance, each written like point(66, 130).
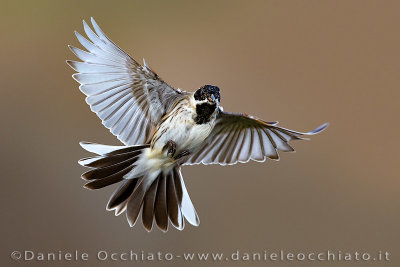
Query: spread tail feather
point(160, 196)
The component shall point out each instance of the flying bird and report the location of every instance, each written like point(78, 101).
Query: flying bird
point(162, 129)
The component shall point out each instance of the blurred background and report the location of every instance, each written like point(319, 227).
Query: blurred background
point(299, 62)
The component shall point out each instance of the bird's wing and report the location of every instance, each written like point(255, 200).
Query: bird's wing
point(129, 98)
point(240, 138)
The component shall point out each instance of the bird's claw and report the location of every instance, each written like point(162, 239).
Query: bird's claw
point(170, 146)
point(182, 154)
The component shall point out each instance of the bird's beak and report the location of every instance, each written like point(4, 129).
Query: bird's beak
point(212, 98)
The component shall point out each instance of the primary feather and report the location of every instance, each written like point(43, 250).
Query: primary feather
point(119, 90)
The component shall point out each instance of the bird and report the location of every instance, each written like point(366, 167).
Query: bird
point(162, 129)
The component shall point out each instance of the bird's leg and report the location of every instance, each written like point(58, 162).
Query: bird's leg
point(170, 146)
point(182, 154)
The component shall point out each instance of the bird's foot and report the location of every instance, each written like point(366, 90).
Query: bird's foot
point(170, 146)
point(182, 154)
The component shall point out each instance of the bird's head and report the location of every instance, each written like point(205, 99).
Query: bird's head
point(208, 93)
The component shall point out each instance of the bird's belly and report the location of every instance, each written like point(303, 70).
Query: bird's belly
point(186, 136)
point(183, 131)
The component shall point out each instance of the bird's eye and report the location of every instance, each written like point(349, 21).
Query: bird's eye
point(199, 95)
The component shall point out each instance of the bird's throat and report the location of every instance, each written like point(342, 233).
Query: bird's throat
point(204, 112)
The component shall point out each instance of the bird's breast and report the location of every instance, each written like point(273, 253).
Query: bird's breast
point(180, 127)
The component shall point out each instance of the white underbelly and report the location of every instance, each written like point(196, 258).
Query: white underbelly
point(186, 135)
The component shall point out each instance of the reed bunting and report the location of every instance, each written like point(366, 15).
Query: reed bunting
point(162, 128)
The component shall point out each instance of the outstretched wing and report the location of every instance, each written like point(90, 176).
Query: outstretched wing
point(129, 98)
point(240, 138)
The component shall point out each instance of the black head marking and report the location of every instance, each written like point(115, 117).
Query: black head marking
point(208, 92)
point(205, 109)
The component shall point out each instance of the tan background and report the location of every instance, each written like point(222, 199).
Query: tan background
point(299, 62)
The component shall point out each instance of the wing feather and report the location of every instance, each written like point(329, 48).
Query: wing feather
point(129, 99)
point(231, 145)
point(256, 148)
point(268, 147)
point(92, 58)
point(87, 67)
point(222, 153)
point(240, 138)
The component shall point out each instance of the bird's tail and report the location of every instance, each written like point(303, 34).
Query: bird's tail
point(159, 195)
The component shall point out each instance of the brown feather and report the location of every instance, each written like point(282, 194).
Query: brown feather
point(148, 206)
point(172, 201)
point(178, 186)
point(108, 180)
point(135, 202)
point(103, 161)
point(127, 149)
point(161, 213)
point(102, 172)
point(121, 194)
